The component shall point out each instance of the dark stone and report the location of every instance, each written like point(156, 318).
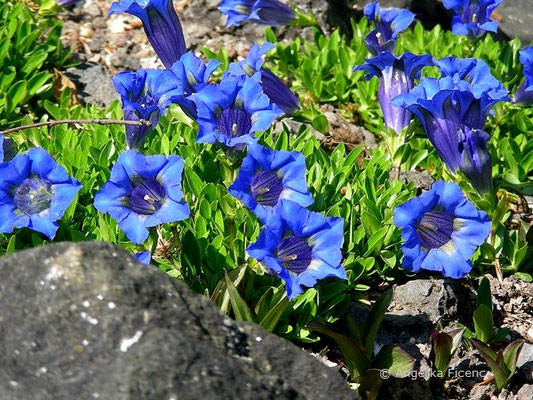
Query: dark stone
point(87, 321)
point(342, 131)
point(443, 300)
point(93, 83)
point(516, 16)
point(525, 392)
point(421, 180)
point(428, 12)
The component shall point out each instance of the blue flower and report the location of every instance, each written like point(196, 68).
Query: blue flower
point(301, 248)
point(524, 94)
point(161, 24)
point(230, 113)
point(471, 70)
point(441, 230)
point(143, 191)
point(389, 24)
point(472, 16)
point(144, 257)
point(396, 76)
point(278, 93)
point(476, 162)
point(7, 149)
point(35, 192)
point(192, 75)
point(444, 106)
point(268, 176)
point(145, 94)
point(267, 12)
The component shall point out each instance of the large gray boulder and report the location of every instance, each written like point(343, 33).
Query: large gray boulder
point(87, 321)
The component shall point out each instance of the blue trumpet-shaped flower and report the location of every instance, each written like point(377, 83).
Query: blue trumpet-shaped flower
point(471, 70)
point(389, 24)
point(476, 162)
point(396, 76)
point(143, 191)
point(278, 93)
point(35, 192)
point(230, 113)
point(144, 257)
point(192, 75)
point(161, 24)
point(268, 176)
point(472, 16)
point(524, 94)
point(145, 95)
point(267, 12)
point(441, 230)
point(301, 248)
point(444, 106)
point(7, 149)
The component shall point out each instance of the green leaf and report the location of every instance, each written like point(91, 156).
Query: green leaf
point(483, 323)
point(444, 345)
point(17, 93)
point(270, 320)
point(372, 321)
point(240, 308)
point(511, 354)
point(394, 360)
point(321, 124)
point(495, 362)
point(483, 294)
point(354, 355)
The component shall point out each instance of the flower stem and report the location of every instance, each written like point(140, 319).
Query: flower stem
point(141, 122)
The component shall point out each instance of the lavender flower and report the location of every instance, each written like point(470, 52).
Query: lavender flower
point(267, 12)
point(442, 230)
point(389, 24)
point(161, 24)
point(472, 16)
point(396, 76)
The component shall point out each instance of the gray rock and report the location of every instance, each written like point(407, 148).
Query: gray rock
point(525, 392)
point(439, 299)
point(93, 83)
point(86, 321)
point(516, 19)
point(429, 12)
point(421, 180)
point(525, 362)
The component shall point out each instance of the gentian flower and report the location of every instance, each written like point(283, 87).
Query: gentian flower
point(161, 24)
point(441, 230)
point(524, 94)
point(268, 176)
point(230, 113)
point(144, 257)
point(389, 24)
point(143, 191)
point(444, 106)
point(145, 94)
point(278, 93)
point(472, 70)
point(301, 248)
point(192, 75)
point(267, 12)
point(64, 3)
point(396, 76)
point(472, 16)
point(476, 162)
point(35, 192)
point(7, 149)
